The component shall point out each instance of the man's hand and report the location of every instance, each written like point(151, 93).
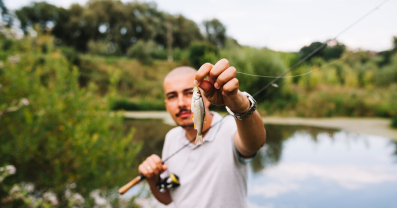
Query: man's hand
point(222, 86)
point(151, 168)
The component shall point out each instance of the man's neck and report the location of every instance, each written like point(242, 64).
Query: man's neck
point(192, 133)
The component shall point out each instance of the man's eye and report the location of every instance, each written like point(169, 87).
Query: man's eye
point(170, 97)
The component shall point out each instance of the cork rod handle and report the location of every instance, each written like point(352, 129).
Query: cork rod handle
point(130, 184)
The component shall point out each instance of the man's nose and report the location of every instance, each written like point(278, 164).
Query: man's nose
point(182, 102)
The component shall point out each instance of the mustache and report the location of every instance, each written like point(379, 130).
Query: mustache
point(183, 110)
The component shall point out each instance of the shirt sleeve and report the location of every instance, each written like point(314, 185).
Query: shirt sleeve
point(244, 159)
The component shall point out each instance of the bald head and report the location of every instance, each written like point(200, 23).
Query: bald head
point(180, 72)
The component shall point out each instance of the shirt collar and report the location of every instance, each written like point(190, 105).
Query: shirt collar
point(209, 136)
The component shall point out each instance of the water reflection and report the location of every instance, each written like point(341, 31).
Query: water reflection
point(271, 153)
point(308, 167)
point(327, 169)
point(395, 150)
point(149, 131)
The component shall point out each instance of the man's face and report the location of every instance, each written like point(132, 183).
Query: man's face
point(178, 96)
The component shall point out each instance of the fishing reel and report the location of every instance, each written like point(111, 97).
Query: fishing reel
point(169, 182)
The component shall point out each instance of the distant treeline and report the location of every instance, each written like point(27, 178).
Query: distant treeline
point(136, 38)
point(112, 27)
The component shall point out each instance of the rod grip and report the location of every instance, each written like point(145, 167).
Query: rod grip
point(131, 184)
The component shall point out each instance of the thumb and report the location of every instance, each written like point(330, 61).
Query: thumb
point(206, 86)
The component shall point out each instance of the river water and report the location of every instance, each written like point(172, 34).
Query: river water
point(305, 167)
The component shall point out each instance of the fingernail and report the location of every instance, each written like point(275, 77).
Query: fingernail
point(195, 82)
point(216, 85)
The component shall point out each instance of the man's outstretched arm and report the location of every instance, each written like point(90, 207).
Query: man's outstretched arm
point(222, 88)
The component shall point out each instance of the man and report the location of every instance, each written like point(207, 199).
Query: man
point(213, 174)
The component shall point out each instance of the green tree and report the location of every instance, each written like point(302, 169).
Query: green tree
point(215, 32)
point(327, 52)
point(40, 13)
point(184, 32)
point(4, 14)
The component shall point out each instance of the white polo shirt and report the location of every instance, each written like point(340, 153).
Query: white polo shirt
point(211, 175)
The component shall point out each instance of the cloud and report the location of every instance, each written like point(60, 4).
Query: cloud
point(271, 190)
point(251, 205)
point(347, 176)
point(286, 178)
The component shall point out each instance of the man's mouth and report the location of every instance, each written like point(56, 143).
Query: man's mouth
point(184, 113)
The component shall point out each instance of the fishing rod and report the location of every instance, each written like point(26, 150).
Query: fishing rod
point(141, 177)
point(317, 49)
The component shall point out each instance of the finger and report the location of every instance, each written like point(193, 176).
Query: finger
point(202, 73)
point(206, 86)
point(165, 168)
point(142, 170)
point(219, 67)
point(153, 166)
point(226, 76)
point(149, 169)
point(156, 159)
point(231, 87)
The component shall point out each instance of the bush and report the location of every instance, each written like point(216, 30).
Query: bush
point(144, 51)
point(56, 133)
point(71, 55)
point(258, 62)
point(202, 52)
point(394, 122)
point(127, 105)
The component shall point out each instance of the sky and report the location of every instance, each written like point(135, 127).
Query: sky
point(284, 25)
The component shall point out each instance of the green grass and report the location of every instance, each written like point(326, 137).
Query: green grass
point(394, 122)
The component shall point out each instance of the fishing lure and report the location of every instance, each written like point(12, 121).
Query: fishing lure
point(198, 116)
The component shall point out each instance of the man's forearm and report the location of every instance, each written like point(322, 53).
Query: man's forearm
point(251, 133)
point(164, 198)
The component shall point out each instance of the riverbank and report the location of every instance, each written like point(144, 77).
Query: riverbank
point(368, 126)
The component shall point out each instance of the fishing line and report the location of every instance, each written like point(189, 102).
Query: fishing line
point(141, 177)
point(285, 77)
point(318, 49)
point(290, 69)
point(169, 157)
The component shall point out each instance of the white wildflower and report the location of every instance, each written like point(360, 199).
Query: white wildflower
point(68, 193)
point(24, 101)
point(78, 199)
point(15, 192)
point(72, 185)
point(50, 197)
point(29, 187)
point(99, 201)
point(11, 169)
point(14, 59)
